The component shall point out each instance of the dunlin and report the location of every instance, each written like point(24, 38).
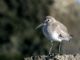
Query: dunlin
point(54, 30)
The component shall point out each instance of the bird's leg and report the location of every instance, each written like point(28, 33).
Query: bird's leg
point(59, 47)
point(51, 48)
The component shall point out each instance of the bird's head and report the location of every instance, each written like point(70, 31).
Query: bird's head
point(48, 20)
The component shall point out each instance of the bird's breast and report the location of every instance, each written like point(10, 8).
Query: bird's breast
point(50, 35)
point(46, 32)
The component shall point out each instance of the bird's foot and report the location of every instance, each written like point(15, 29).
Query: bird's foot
point(52, 55)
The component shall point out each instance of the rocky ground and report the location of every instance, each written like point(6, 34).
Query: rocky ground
point(56, 57)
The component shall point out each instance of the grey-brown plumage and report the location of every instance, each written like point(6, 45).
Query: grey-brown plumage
point(54, 30)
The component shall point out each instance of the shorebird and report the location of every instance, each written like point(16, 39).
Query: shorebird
point(54, 31)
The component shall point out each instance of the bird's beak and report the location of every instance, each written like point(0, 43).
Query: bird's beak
point(40, 25)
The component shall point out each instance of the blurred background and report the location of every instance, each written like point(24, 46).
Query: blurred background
point(19, 18)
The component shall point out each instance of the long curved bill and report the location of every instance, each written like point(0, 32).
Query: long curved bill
point(39, 26)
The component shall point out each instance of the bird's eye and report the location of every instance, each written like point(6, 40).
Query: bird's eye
point(48, 20)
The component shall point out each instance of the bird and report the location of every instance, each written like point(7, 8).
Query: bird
point(54, 30)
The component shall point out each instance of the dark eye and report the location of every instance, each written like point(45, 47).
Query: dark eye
point(48, 20)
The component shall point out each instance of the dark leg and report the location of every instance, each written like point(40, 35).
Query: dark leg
point(51, 47)
point(59, 47)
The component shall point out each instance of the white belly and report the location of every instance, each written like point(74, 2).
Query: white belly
point(55, 36)
point(51, 36)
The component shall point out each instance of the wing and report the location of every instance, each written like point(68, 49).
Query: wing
point(53, 26)
point(62, 27)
